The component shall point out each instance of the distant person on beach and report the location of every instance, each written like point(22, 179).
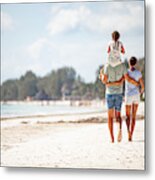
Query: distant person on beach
point(132, 96)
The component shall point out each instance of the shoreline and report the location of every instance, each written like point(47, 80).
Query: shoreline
point(99, 116)
point(95, 109)
point(50, 115)
point(77, 118)
point(85, 103)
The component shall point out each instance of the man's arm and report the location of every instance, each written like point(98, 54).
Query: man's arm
point(131, 80)
point(128, 78)
point(116, 83)
point(142, 85)
point(104, 78)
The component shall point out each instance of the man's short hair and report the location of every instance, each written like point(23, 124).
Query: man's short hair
point(133, 61)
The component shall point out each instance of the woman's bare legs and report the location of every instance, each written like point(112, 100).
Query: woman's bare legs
point(128, 114)
point(134, 111)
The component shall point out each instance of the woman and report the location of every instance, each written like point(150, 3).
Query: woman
point(132, 96)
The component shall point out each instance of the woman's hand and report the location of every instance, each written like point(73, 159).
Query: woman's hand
point(141, 91)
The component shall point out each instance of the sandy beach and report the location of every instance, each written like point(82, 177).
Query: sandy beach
point(71, 144)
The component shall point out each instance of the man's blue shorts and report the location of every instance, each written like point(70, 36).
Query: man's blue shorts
point(114, 101)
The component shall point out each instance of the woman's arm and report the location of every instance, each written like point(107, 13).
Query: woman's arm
point(131, 80)
point(116, 83)
point(142, 85)
point(104, 79)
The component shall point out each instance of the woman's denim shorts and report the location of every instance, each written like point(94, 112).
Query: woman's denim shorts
point(114, 101)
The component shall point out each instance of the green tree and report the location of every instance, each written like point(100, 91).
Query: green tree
point(58, 82)
point(99, 86)
point(27, 85)
point(9, 90)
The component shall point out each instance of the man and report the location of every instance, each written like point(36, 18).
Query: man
point(113, 78)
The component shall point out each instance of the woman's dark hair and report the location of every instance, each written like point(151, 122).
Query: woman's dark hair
point(115, 35)
point(133, 61)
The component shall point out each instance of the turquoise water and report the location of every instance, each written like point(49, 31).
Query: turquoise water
point(18, 110)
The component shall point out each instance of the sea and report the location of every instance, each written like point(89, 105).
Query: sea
point(28, 109)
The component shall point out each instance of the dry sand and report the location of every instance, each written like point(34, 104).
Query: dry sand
point(70, 145)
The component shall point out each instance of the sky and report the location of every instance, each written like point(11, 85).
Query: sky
point(46, 36)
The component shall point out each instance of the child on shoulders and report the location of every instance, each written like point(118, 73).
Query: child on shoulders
point(115, 49)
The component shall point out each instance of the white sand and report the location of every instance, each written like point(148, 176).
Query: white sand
point(27, 143)
point(71, 146)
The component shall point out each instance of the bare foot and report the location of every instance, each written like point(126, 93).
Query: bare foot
point(129, 136)
point(119, 138)
point(112, 139)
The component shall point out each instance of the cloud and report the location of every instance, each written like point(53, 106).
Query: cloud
point(6, 21)
point(83, 51)
point(34, 49)
point(122, 17)
point(67, 19)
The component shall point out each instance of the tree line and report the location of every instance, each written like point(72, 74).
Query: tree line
point(63, 83)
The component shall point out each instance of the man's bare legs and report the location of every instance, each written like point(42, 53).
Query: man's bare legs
point(128, 114)
point(119, 121)
point(134, 111)
point(110, 123)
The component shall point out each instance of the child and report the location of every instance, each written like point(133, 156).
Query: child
point(115, 49)
point(132, 95)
